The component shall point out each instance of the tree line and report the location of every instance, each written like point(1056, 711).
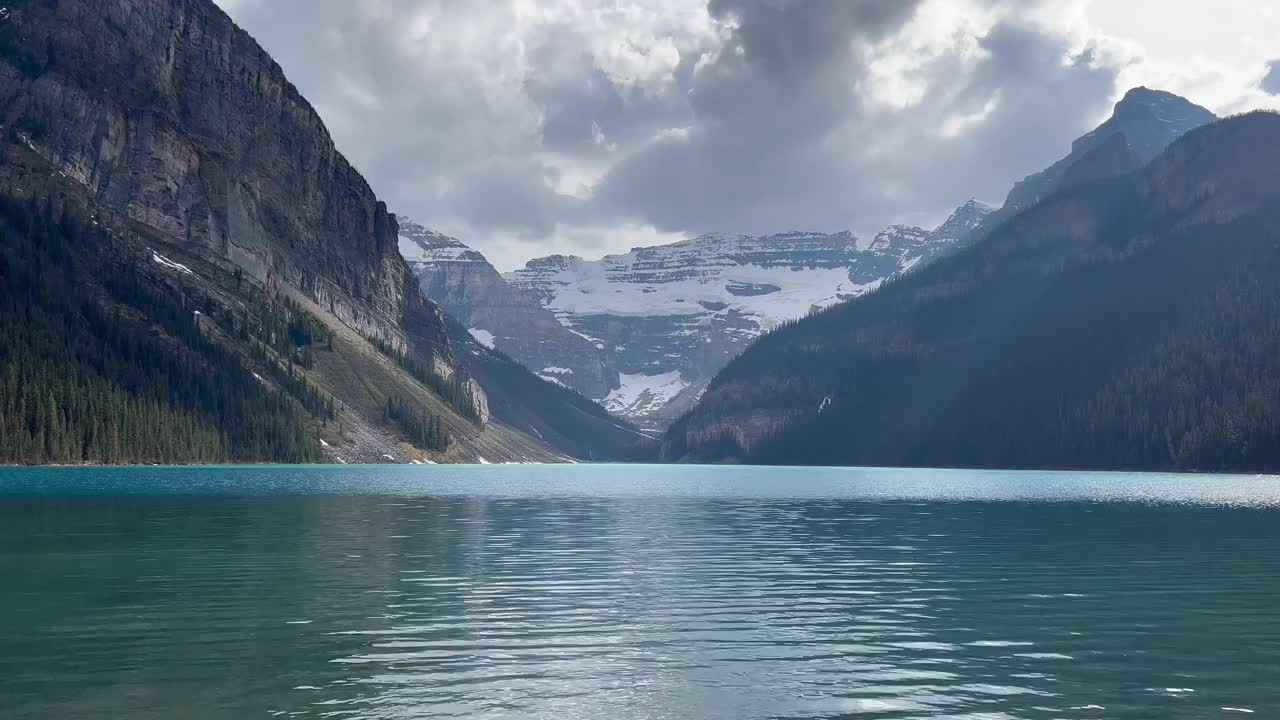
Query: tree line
point(452, 389)
point(100, 364)
point(423, 429)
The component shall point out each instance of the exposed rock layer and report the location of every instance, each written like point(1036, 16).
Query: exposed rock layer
point(163, 121)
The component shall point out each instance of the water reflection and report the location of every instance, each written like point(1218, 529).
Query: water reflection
point(633, 607)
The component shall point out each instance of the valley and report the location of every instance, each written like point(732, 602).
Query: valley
point(644, 332)
point(173, 151)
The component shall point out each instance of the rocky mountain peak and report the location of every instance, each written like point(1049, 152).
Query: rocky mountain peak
point(898, 236)
point(553, 262)
point(1149, 120)
point(1143, 123)
point(965, 218)
point(419, 244)
point(1154, 99)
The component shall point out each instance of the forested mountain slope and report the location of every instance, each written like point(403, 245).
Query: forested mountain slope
point(201, 174)
point(116, 369)
point(1128, 322)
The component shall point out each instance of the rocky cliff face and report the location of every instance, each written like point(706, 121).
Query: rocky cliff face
point(666, 319)
point(169, 126)
point(167, 112)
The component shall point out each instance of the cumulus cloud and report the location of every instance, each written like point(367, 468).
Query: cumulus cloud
point(837, 115)
point(591, 126)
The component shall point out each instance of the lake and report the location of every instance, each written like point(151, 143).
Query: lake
point(638, 592)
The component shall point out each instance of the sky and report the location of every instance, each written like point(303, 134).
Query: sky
point(532, 127)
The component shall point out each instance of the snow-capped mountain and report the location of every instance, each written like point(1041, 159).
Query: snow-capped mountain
point(667, 318)
point(422, 245)
point(644, 332)
point(899, 248)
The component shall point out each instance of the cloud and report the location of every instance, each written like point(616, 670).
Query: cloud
point(527, 127)
point(832, 117)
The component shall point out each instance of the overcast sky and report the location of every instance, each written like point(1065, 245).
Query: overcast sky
point(531, 127)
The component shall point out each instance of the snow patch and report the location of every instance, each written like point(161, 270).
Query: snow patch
point(640, 394)
point(416, 253)
point(418, 245)
point(596, 289)
point(166, 262)
point(323, 443)
point(484, 337)
point(557, 370)
point(568, 325)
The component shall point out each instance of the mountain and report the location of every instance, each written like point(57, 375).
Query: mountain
point(160, 173)
point(900, 248)
point(1143, 123)
point(547, 410)
point(498, 315)
point(663, 320)
point(1125, 322)
point(489, 322)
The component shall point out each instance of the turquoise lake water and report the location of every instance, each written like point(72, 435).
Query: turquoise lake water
point(636, 592)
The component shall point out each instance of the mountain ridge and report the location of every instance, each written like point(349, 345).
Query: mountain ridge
point(1065, 338)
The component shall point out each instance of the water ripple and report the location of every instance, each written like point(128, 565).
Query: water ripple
point(635, 607)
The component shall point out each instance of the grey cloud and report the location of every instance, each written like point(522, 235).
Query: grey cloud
point(1043, 103)
point(789, 66)
point(511, 196)
point(466, 115)
point(788, 40)
point(823, 160)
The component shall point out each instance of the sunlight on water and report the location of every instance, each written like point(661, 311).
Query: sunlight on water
point(636, 593)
